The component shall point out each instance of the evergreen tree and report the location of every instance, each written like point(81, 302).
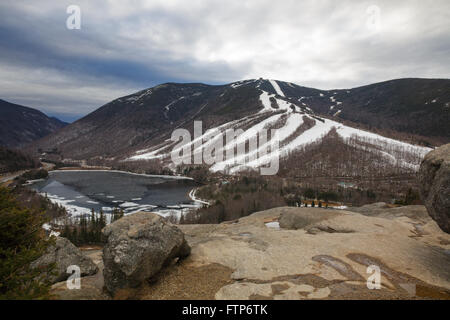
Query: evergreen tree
point(84, 238)
point(22, 240)
point(102, 220)
point(75, 238)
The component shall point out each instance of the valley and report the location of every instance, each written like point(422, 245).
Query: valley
point(316, 149)
point(195, 151)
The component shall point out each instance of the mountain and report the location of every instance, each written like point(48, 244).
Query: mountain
point(413, 106)
point(20, 125)
point(139, 126)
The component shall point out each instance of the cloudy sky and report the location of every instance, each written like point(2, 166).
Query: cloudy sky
point(125, 46)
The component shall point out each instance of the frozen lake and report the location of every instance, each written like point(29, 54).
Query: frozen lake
point(81, 191)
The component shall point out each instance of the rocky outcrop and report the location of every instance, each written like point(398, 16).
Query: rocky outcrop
point(434, 183)
point(322, 257)
point(325, 257)
point(64, 254)
point(138, 247)
point(91, 287)
point(293, 219)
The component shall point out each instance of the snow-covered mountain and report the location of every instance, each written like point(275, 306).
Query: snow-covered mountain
point(296, 126)
point(139, 126)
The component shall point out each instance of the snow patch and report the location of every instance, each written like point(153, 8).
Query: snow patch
point(265, 100)
point(241, 83)
point(167, 107)
point(195, 199)
point(273, 225)
point(128, 205)
point(276, 87)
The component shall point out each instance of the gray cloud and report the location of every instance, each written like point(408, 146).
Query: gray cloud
point(125, 46)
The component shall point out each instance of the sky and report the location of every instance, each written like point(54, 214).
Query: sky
point(125, 46)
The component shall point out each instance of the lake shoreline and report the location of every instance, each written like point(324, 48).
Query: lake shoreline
point(125, 172)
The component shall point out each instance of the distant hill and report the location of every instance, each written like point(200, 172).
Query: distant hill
point(20, 125)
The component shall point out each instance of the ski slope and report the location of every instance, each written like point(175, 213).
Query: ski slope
point(289, 137)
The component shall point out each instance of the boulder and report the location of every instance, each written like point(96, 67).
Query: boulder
point(434, 183)
point(64, 254)
point(138, 247)
point(304, 217)
point(91, 286)
point(372, 209)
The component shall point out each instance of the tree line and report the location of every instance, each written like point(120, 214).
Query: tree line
point(85, 230)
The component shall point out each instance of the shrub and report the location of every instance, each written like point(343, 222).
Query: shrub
point(309, 194)
point(328, 196)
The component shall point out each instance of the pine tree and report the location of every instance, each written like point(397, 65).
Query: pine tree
point(75, 237)
point(22, 240)
point(102, 221)
point(83, 230)
point(92, 216)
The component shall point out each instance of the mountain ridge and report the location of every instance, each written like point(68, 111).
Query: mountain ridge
point(20, 125)
point(138, 122)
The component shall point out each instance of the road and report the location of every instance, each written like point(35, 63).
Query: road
point(12, 175)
